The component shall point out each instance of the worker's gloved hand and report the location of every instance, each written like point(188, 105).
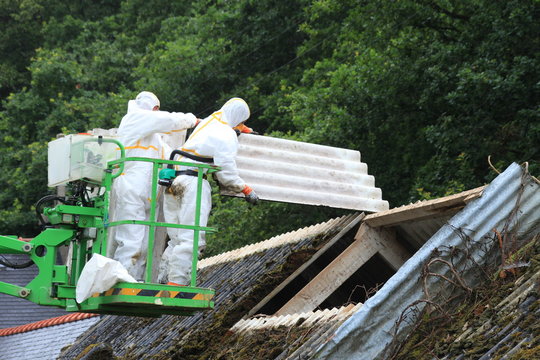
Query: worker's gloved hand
point(250, 195)
point(243, 129)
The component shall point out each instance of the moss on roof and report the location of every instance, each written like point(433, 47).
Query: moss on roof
point(487, 323)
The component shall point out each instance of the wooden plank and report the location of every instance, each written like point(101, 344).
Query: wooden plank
point(422, 209)
point(367, 244)
point(304, 266)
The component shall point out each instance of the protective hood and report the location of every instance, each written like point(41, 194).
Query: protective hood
point(145, 101)
point(235, 111)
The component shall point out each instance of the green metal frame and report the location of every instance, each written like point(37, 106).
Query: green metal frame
point(78, 226)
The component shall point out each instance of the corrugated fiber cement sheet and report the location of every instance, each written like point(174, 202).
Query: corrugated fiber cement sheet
point(303, 173)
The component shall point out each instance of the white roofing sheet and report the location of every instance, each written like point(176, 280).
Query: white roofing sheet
point(369, 332)
point(305, 319)
point(303, 173)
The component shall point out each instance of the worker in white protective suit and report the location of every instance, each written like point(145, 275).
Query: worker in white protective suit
point(141, 131)
point(213, 138)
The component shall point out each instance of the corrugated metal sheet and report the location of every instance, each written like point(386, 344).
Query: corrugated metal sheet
point(511, 203)
point(304, 173)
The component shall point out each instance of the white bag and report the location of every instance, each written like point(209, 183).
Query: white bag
point(100, 274)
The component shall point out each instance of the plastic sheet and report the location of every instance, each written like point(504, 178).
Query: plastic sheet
point(100, 274)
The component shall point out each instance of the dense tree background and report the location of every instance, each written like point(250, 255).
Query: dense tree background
point(425, 90)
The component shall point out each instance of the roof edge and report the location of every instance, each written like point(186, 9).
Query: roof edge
point(64, 319)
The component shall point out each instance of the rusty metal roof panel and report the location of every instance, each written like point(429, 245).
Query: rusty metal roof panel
point(298, 172)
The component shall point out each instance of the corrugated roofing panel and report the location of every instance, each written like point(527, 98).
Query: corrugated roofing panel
point(304, 173)
point(302, 319)
point(510, 204)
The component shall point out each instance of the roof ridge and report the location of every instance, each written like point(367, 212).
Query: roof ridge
point(59, 320)
point(275, 241)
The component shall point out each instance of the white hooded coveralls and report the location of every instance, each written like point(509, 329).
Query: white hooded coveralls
point(139, 132)
point(213, 138)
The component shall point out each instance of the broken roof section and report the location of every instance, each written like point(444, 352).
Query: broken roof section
point(303, 173)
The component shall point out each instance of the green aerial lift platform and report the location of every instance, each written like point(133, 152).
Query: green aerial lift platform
point(79, 222)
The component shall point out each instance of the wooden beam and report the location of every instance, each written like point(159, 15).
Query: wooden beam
point(368, 242)
point(390, 249)
point(304, 266)
point(422, 210)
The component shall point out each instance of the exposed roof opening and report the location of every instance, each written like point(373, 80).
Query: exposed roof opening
point(311, 268)
point(405, 240)
point(362, 284)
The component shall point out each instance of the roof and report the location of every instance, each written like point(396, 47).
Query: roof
point(15, 311)
point(309, 293)
point(241, 279)
point(454, 256)
point(64, 319)
point(501, 323)
point(44, 339)
point(30, 331)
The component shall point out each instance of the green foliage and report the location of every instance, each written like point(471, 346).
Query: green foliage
point(18, 39)
point(425, 90)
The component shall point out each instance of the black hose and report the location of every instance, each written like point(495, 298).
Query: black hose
point(191, 156)
point(46, 198)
